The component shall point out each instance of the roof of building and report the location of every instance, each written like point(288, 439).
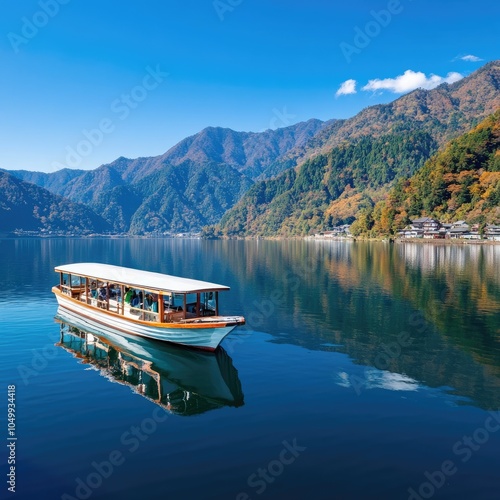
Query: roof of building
point(136, 278)
point(422, 220)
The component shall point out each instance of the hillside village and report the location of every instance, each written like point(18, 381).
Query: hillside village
point(431, 229)
point(428, 228)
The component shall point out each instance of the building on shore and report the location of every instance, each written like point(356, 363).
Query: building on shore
point(337, 232)
point(429, 228)
point(492, 232)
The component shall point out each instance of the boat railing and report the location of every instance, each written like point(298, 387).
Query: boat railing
point(146, 310)
point(74, 292)
point(138, 312)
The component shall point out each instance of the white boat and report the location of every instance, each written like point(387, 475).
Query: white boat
point(153, 305)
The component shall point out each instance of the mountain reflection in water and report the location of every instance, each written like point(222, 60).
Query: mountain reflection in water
point(184, 382)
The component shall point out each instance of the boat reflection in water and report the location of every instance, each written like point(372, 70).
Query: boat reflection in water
point(185, 382)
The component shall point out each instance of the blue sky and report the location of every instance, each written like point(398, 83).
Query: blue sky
point(86, 82)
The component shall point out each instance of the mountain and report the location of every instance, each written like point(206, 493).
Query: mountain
point(309, 198)
point(27, 207)
point(54, 182)
point(461, 182)
point(193, 184)
point(351, 164)
point(186, 197)
point(250, 153)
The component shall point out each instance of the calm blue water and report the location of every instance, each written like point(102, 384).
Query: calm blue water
point(365, 371)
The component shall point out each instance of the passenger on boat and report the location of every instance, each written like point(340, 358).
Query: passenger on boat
point(114, 292)
point(102, 293)
point(128, 295)
point(154, 304)
point(151, 302)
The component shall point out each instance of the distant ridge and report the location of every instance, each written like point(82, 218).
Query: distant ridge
point(26, 207)
point(193, 184)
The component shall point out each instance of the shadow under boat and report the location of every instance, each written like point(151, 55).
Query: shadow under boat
point(183, 381)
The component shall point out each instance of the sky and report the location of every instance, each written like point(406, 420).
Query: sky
point(85, 82)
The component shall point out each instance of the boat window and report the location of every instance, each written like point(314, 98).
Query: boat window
point(142, 304)
point(66, 283)
point(208, 300)
point(168, 300)
point(76, 281)
point(191, 303)
point(177, 301)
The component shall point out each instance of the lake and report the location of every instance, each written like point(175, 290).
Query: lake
point(365, 371)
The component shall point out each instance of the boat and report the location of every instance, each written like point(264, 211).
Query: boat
point(182, 381)
point(158, 306)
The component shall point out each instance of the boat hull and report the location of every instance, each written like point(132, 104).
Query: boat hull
point(199, 335)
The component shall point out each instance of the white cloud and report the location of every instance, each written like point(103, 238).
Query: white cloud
point(348, 87)
point(471, 58)
point(411, 80)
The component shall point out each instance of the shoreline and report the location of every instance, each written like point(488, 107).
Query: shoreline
point(418, 241)
point(448, 242)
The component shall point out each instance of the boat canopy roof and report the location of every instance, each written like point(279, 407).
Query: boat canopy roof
point(136, 278)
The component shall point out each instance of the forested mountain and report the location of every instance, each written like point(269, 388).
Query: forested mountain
point(298, 201)
point(351, 165)
point(186, 197)
point(247, 152)
point(461, 182)
point(191, 185)
point(444, 112)
point(55, 182)
point(27, 207)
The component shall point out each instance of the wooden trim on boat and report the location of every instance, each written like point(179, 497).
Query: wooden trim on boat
point(192, 323)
